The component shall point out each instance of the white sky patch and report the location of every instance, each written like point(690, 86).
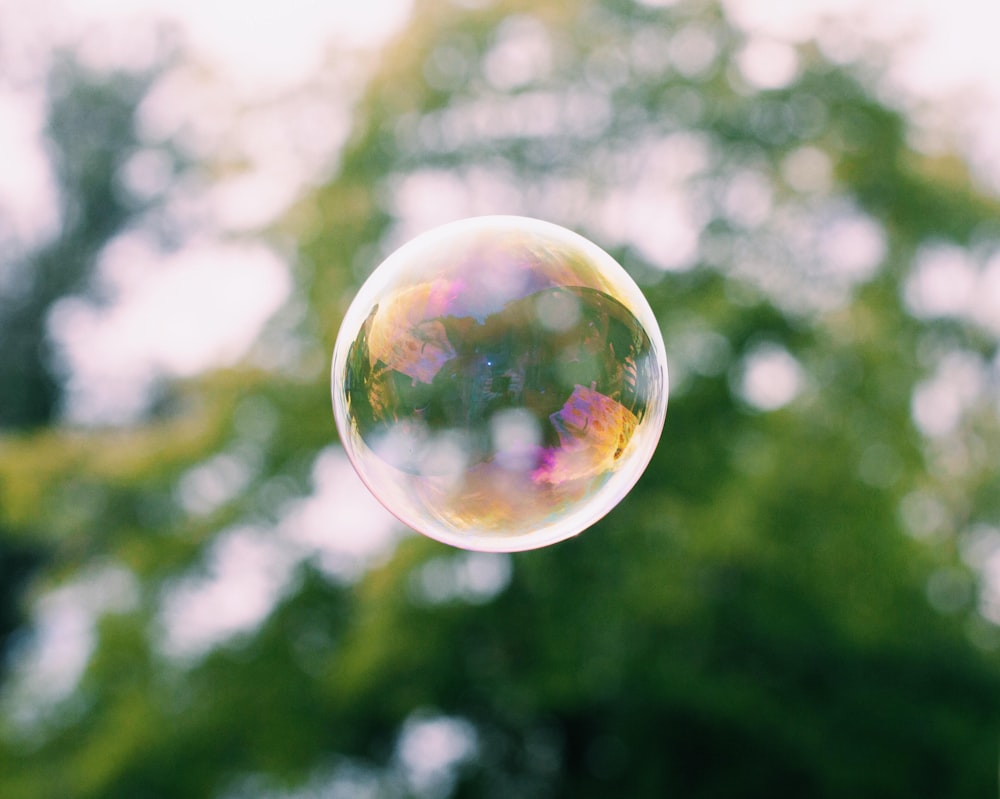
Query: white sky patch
point(771, 378)
point(852, 244)
point(748, 198)
point(49, 663)
point(28, 198)
point(426, 198)
point(211, 484)
point(247, 53)
point(693, 50)
point(247, 570)
point(807, 254)
point(948, 281)
point(522, 53)
point(768, 63)
point(953, 45)
point(148, 173)
point(252, 200)
point(660, 222)
point(237, 97)
point(341, 524)
point(260, 45)
point(537, 113)
point(651, 208)
point(943, 282)
point(986, 309)
point(945, 59)
point(272, 151)
point(795, 21)
point(177, 314)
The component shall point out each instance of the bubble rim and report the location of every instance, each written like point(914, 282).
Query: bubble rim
point(383, 278)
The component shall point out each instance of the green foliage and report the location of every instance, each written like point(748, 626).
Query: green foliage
point(91, 136)
point(89, 127)
point(765, 614)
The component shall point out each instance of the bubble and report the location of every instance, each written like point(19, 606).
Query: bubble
point(499, 383)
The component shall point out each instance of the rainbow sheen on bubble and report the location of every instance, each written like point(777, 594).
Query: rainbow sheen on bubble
point(499, 383)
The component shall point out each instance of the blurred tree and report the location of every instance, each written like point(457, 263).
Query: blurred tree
point(90, 136)
point(782, 604)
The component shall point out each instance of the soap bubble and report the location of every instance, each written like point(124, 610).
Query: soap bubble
point(499, 383)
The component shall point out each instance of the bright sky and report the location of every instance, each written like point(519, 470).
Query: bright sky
point(234, 98)
point(258, 51)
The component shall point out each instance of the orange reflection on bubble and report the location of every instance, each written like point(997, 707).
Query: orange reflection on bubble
point(594, 431)
point(406, 336)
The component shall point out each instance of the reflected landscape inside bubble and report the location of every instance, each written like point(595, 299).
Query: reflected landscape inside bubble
point(499, 383)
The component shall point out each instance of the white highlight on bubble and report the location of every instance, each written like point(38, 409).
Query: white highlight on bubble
point(939, 402)
point(444, 455)
point(516, 436)
point(558, 311)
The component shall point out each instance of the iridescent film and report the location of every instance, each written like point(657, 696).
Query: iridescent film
point(499, 383)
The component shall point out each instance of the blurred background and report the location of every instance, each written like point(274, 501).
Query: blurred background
point(801, 597)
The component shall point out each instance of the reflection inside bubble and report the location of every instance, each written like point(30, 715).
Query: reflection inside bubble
point(500, 385)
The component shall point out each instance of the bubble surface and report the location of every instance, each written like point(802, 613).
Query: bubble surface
point(499, 383)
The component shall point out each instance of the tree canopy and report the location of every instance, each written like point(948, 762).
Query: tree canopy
point(794, 599)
